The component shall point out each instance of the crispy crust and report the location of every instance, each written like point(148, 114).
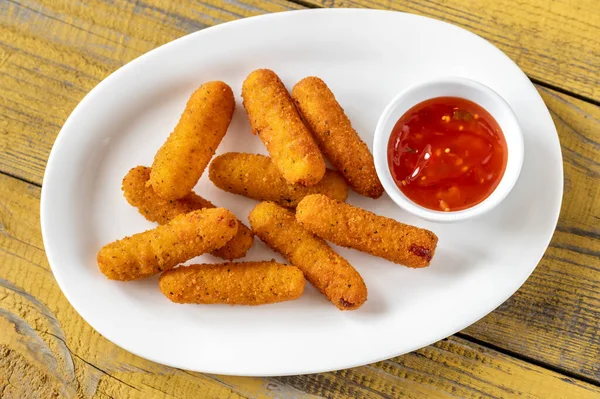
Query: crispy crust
point(244, 283)
point(331, 274)
point(274, 117)
point(255, 176)
point(168, 245)
point(353, 227)
point(336, 137)
point(181, 160)
point(157, 209)
point(150, 205)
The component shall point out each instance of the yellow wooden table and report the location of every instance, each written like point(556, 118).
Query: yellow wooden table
point(544, 342)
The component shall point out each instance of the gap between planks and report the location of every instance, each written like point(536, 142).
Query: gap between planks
point(538, 82)
point(466, 337)
point(32, 183)
point(527, 359)
point(469, 338)
point(563, 91)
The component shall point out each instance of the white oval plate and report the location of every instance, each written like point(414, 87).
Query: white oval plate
point(366, 57)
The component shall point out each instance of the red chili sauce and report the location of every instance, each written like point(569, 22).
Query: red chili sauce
point(447, 154)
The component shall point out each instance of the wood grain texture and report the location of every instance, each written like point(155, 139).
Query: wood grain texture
point(47, 350)
point(53, 52)
point(555, 316)
point(553, 41)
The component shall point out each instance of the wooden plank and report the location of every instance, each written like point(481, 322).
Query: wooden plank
point(554, 317)
point(52, 52)
point(553, 41)
point(47, 350)
point(46, 347)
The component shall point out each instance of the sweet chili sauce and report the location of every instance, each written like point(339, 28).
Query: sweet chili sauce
point(447, 154)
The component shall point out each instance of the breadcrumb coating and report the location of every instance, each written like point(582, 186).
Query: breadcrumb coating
point(255, 176)
point(336, 137)
point(357, 228)
point(160, 210)
point(274, 117)
point(244, 283)
point(166, 246)
point(331, 274)
point(181, 160)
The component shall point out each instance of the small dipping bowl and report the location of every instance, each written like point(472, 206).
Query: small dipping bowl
point(468, 89)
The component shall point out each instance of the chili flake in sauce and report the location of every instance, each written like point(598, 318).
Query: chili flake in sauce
point(447, 154)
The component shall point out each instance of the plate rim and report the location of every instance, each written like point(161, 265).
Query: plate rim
point(90, 96)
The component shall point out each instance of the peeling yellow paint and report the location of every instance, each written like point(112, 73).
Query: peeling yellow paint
point(55, 51)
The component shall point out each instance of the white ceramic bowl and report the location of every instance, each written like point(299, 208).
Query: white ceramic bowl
point(449, 87)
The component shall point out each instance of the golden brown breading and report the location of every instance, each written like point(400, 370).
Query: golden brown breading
point(336, 137)
point(244, 283)
point(168, 245)
point(238, 246)
point(160, 210)
point(331, 274)
point(256, 177)
point(181, 160)
point(274, 117)
point(154, 208)
point(357, 228)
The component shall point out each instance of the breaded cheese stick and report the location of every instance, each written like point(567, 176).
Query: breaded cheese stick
point(244, 283)
point(336, 137)
point(181, 160)
point(168, 245)
point(353, 227)
point(160, 210)
point(331, 274)
point(255, 176)
point(273, 116)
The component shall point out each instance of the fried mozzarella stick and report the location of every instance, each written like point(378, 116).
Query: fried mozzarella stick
point(168, 245)
point(256, 177)
point(244, 283)
point(336, 137)
point(331, 274)
point(181, 160)
point(157, 209)
point(273, 116)
point(353, 227)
